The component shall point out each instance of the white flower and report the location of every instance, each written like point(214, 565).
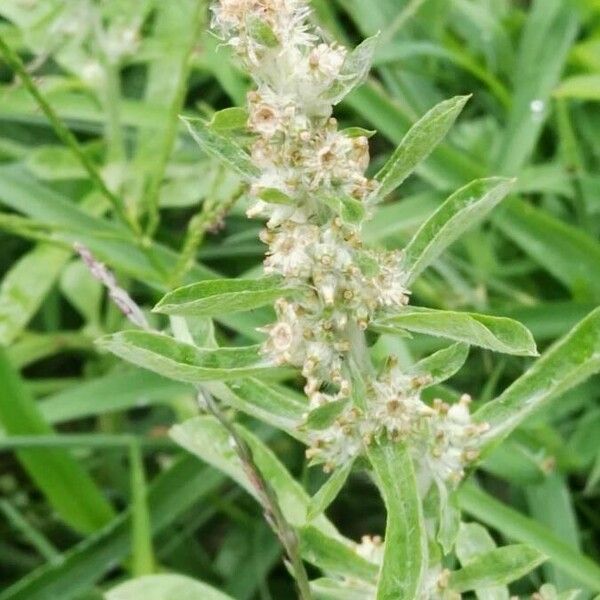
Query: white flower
point(289, 253)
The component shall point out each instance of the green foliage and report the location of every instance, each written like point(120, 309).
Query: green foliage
point(165, 587)
point(419, 143)
point(210, 298)
point(92, 150)
point(494, 333)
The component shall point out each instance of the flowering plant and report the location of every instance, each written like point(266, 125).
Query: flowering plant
point(333, 296)
point(338, 301)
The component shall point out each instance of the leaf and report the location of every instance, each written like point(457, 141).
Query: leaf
point(496, 567)
point(260, 32)
point(55, 472)
point(222, 296)
point(568, 362)
point(171, 495)
point(441, 365)
point(350, 209)
point(322, 417)
point(473, 541)
point(275, 196)
point(326, 588)
point(418, 143)
point(494, 333)
point(354, 71)
point(229, 118)
point(464, 209)
point(567, 252)
point(516, 526)
point(405, 558)
point(333, 556)
point(204, 437)
point(177, 360)
point(276, 405)
point(141, 532)
point(328, 492)
point(221, 147)
point(580, 87)
point(165, 587)
point(25, 286)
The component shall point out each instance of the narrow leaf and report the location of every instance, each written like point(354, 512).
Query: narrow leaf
point(418, 143)
point(55, 472)
point(497, 567)
point(165, 587)
point(405, 557)
point(473, 541)
point(25, 286)
point(464, 209)
point(494, 333)
point(516, 526)
point(222, 296)
point(328, 492)
point(568, 362)
point(229, 118)
point(333, 556)
point(441, 365)
point(184, 362)
point(354, 71)
point(221, 147)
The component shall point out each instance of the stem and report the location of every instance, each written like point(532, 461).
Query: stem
point(267, 497)
point(170, 134)
point(65, 135)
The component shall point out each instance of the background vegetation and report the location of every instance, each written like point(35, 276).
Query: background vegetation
point(92, 489)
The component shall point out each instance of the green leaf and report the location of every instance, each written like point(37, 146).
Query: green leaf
point(55, 472)
point(580, 87)
point(354, 132)
point(496, 567)
point(570, 254)
point(259, 31)
point(141, 531)
point(276, 405)
point(324, 416)
point(275, 196)
point(222, 296)
point(473, 541)
point(177, 360)
point(354, 71)
point(171, 495)
point(350, 209)
point(221, 147)
point(464, 209)
point(333, 556)
point(25, 286)
point(206, 438)
point(165, 587)
point(227, 119)
point(441, 365)
point(418, 143)
point(568, 362)
point(517, 526)
point(328, 492)
point(326, 588)
point(494, 333)
point(405, 557)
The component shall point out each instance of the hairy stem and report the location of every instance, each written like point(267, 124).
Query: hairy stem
point(267, 497)
point(65, 135)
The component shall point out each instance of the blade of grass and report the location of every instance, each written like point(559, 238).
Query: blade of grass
point(55, 472)
point(516, 526)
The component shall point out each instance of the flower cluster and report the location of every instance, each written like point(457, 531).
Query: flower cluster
point(313, 192)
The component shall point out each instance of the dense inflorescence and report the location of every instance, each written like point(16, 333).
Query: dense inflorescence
point(313, 192)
